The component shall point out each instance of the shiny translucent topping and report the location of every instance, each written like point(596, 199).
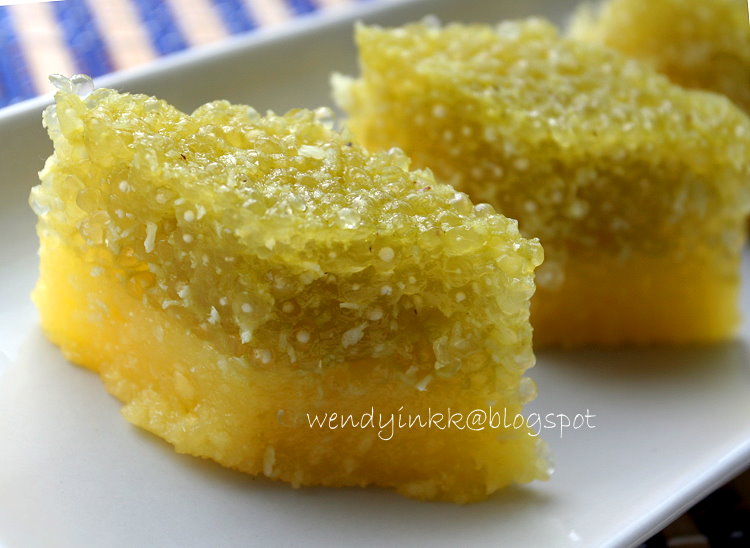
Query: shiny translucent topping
point(696, 43)
point(593, 152)
point(80, 84)
point(279, 239)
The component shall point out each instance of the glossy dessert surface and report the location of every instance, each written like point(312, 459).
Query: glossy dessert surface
point(636, 187)
point(231, 275)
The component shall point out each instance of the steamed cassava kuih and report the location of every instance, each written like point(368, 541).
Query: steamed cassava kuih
point(701, 44)
point(636, 187)
point(228, 274)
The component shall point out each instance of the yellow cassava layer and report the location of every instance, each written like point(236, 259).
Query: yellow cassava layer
point(629, 181)
point(227, 274)
point(697, 43)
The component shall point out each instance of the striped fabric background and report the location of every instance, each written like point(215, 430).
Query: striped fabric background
point(96, 37)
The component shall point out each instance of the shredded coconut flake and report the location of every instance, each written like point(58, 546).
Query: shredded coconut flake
point(386, 254)
point(422, 385)
point(353, 335)
point(269, 459)
point(310, 151)
point(148, 243)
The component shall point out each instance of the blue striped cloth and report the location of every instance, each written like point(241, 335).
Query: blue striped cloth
point(82, 37)
point(97, 37)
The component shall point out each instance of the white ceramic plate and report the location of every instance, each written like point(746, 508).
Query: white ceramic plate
point(671, 425)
